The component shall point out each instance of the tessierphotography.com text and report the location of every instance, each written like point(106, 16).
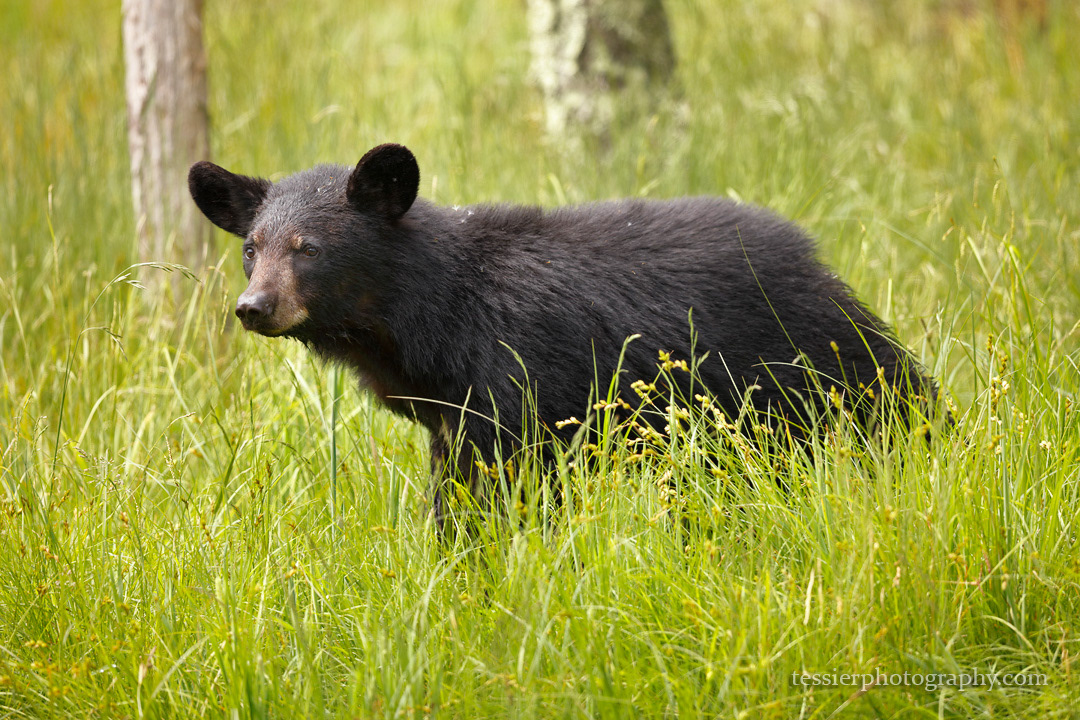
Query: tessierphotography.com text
point(930, 681)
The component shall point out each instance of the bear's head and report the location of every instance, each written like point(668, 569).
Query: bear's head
point(312, 239)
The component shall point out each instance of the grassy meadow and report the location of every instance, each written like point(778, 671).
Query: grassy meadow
point(199, 522)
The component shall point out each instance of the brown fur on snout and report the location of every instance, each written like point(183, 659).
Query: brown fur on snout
point(273, 275)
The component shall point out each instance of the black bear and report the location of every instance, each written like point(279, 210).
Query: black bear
point(440, 308)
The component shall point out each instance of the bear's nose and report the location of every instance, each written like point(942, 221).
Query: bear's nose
point(252, 307)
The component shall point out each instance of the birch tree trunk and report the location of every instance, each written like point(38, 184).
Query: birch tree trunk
point(167, 125)
point(590, 55)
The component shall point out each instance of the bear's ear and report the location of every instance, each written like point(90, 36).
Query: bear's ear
point(230, 201)
point(385, 181)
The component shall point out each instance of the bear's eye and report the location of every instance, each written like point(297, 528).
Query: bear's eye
point(310, 251)
point(249, 252)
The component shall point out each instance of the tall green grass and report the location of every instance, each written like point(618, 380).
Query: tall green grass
point(177, 540)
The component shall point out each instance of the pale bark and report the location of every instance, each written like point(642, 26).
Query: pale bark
point(167, 125)
point(590, 55)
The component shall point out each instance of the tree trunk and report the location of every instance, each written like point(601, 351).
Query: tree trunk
point(167, 125)
point(588, 56)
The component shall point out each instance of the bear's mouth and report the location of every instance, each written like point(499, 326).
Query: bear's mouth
point(264, 330)
point(269, 328)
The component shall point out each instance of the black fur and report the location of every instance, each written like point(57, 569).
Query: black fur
point(426, 302)
point(385, 181)
point(229, 200)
